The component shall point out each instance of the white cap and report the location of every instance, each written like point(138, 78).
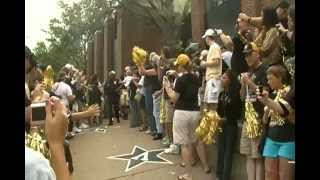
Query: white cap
point(209, 32)
point(68, 66)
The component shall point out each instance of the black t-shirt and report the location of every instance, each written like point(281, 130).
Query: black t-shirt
point(132, 90)
point(286, 132)
point(259, 77)
point(152, 81)
point(187, 86)
point(230, 106)
point(112, 90)
point(94, 95)
point(238, 62)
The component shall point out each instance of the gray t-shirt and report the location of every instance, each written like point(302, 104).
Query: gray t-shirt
point(37, 167)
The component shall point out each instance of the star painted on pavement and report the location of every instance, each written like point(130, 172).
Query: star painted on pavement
point(140, 156)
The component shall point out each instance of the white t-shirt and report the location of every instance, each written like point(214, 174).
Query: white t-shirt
point(214, 53)
point(37, 167)
point(127, 80)
point(64, 90)
point(226, 57)
point(140, 87)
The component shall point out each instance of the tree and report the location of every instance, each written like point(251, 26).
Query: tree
point(69, 35)
point(166, 15)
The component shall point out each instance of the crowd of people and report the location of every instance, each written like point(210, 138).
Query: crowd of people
point(248, 80)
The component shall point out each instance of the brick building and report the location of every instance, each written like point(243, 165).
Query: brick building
point(125, 30)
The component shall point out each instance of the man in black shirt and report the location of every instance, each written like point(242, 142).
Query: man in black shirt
point(112, 94)
point(250, 81)
point(238, 63)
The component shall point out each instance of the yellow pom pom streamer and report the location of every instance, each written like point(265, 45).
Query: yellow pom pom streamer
point(209, 127)
point(139, 55)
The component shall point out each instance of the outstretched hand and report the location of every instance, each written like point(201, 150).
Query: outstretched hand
point(93, 110)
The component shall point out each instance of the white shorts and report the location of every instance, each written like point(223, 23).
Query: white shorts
point(212, 91)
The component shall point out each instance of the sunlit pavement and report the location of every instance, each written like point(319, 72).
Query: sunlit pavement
point(93, 151)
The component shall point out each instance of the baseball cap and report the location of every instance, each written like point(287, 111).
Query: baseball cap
point(209, 32)
point(248, 48)
point(68, 66)
point(182, 59)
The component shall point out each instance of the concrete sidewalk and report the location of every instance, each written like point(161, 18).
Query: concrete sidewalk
point(90, 150)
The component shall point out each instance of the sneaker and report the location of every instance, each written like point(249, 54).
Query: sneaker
point(148, 132)
point(173, 149)
point(83, 126)
point(166, 141)
point(76, 130)
point(158, 136)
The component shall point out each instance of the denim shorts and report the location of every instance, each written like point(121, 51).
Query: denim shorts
point(274, 149)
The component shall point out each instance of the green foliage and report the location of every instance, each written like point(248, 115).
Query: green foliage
point(69, 35)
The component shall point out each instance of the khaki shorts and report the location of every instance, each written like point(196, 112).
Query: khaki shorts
point(249, 147)
point(184, 125)
point(212, 90)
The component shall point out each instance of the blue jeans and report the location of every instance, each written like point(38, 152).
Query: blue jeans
point(149, 108)
point(134, 111)
point(156, 113)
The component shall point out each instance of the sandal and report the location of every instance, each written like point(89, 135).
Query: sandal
point(207, 171)
point(184, 177)
point(184, 164)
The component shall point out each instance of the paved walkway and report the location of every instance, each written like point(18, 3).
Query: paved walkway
point(91, 150)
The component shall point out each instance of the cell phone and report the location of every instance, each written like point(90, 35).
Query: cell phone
point(38, 112)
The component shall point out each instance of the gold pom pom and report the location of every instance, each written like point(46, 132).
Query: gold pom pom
point(139, 55)
point(253, 127)
point(36, 142)
point(209, 127)
point(48, 77)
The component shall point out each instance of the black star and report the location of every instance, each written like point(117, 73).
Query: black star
point(139, 156)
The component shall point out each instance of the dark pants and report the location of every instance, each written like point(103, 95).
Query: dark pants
point(113, 105)
point(134, 113)
point(149, 108)
point(70, 124)
point(226, 143)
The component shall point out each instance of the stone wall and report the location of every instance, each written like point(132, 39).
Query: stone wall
point(132, 31)
point(98, 55)
point(108, 47)
point(90, 59)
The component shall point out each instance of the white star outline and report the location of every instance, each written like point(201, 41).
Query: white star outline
point(132, 152)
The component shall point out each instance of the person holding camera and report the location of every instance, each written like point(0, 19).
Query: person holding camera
point(187, 114)
point(213, 66)
point(250, 81)
point(37, 167)
point(268, 40)
point(279, 146)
